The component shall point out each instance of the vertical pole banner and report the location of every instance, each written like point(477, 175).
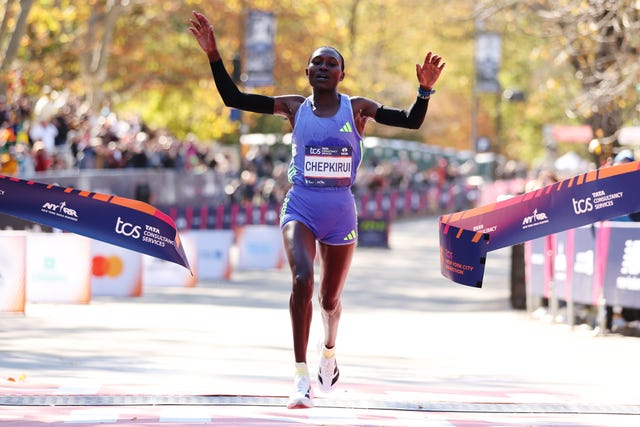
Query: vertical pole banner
point(259, 45)
point(488, 53)
point(467, 236)
point(117, 220)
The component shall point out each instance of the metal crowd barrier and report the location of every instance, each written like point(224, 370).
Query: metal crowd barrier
point(596, 265)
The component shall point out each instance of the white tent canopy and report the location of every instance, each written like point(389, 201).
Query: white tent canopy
point(629, 135)
point(571, 162)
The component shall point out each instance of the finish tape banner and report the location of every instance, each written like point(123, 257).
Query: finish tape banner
point(467, 236)
point(117, 220)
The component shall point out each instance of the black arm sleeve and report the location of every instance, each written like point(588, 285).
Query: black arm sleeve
point(411, 119)
point(232, 97)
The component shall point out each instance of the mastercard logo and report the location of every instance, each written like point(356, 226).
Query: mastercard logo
point(110, 266)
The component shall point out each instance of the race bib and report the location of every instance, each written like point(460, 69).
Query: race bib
point(328, 166)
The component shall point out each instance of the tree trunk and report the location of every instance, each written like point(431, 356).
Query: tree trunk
point(96, 57)
point(14, 42)
point(8, 7)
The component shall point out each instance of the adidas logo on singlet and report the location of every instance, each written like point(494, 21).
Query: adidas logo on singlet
point(346, 128)
point(350, 236)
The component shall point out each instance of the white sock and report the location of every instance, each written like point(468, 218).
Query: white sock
point(301, 369)
point(328, 353)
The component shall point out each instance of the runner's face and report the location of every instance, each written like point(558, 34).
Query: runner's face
point(325, 68)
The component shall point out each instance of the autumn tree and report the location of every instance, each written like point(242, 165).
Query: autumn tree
point(96, 42)
point(596, 42)
point(12, 28)
point(137, 57)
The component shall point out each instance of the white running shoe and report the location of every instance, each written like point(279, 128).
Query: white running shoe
point(302, 394)
point(328, 374)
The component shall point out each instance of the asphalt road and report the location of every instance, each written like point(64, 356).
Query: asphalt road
point(413, 349)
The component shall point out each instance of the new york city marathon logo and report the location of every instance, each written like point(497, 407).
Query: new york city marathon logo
point(534, 220)
point(61, 210)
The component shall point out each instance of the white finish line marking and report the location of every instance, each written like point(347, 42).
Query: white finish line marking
point(94, 415)
point(191, 414)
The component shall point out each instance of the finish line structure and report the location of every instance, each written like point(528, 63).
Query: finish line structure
point(277, 401)
point(467, 236)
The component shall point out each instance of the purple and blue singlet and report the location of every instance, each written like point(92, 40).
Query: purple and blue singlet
point(326, 153)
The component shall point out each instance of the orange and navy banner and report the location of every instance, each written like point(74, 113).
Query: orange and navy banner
point(117, 220)
point(467, 236)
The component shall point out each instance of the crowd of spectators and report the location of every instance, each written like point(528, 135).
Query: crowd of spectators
point(57, 131)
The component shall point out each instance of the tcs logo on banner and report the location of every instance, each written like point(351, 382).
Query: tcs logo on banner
point(582, 206)
point(109, 266)
point(127, 229)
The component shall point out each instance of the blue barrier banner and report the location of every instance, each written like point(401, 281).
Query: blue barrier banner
point(117, 220)
point(467, 236)
point(622, 270)
point(373, 232)
point(582, 264)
